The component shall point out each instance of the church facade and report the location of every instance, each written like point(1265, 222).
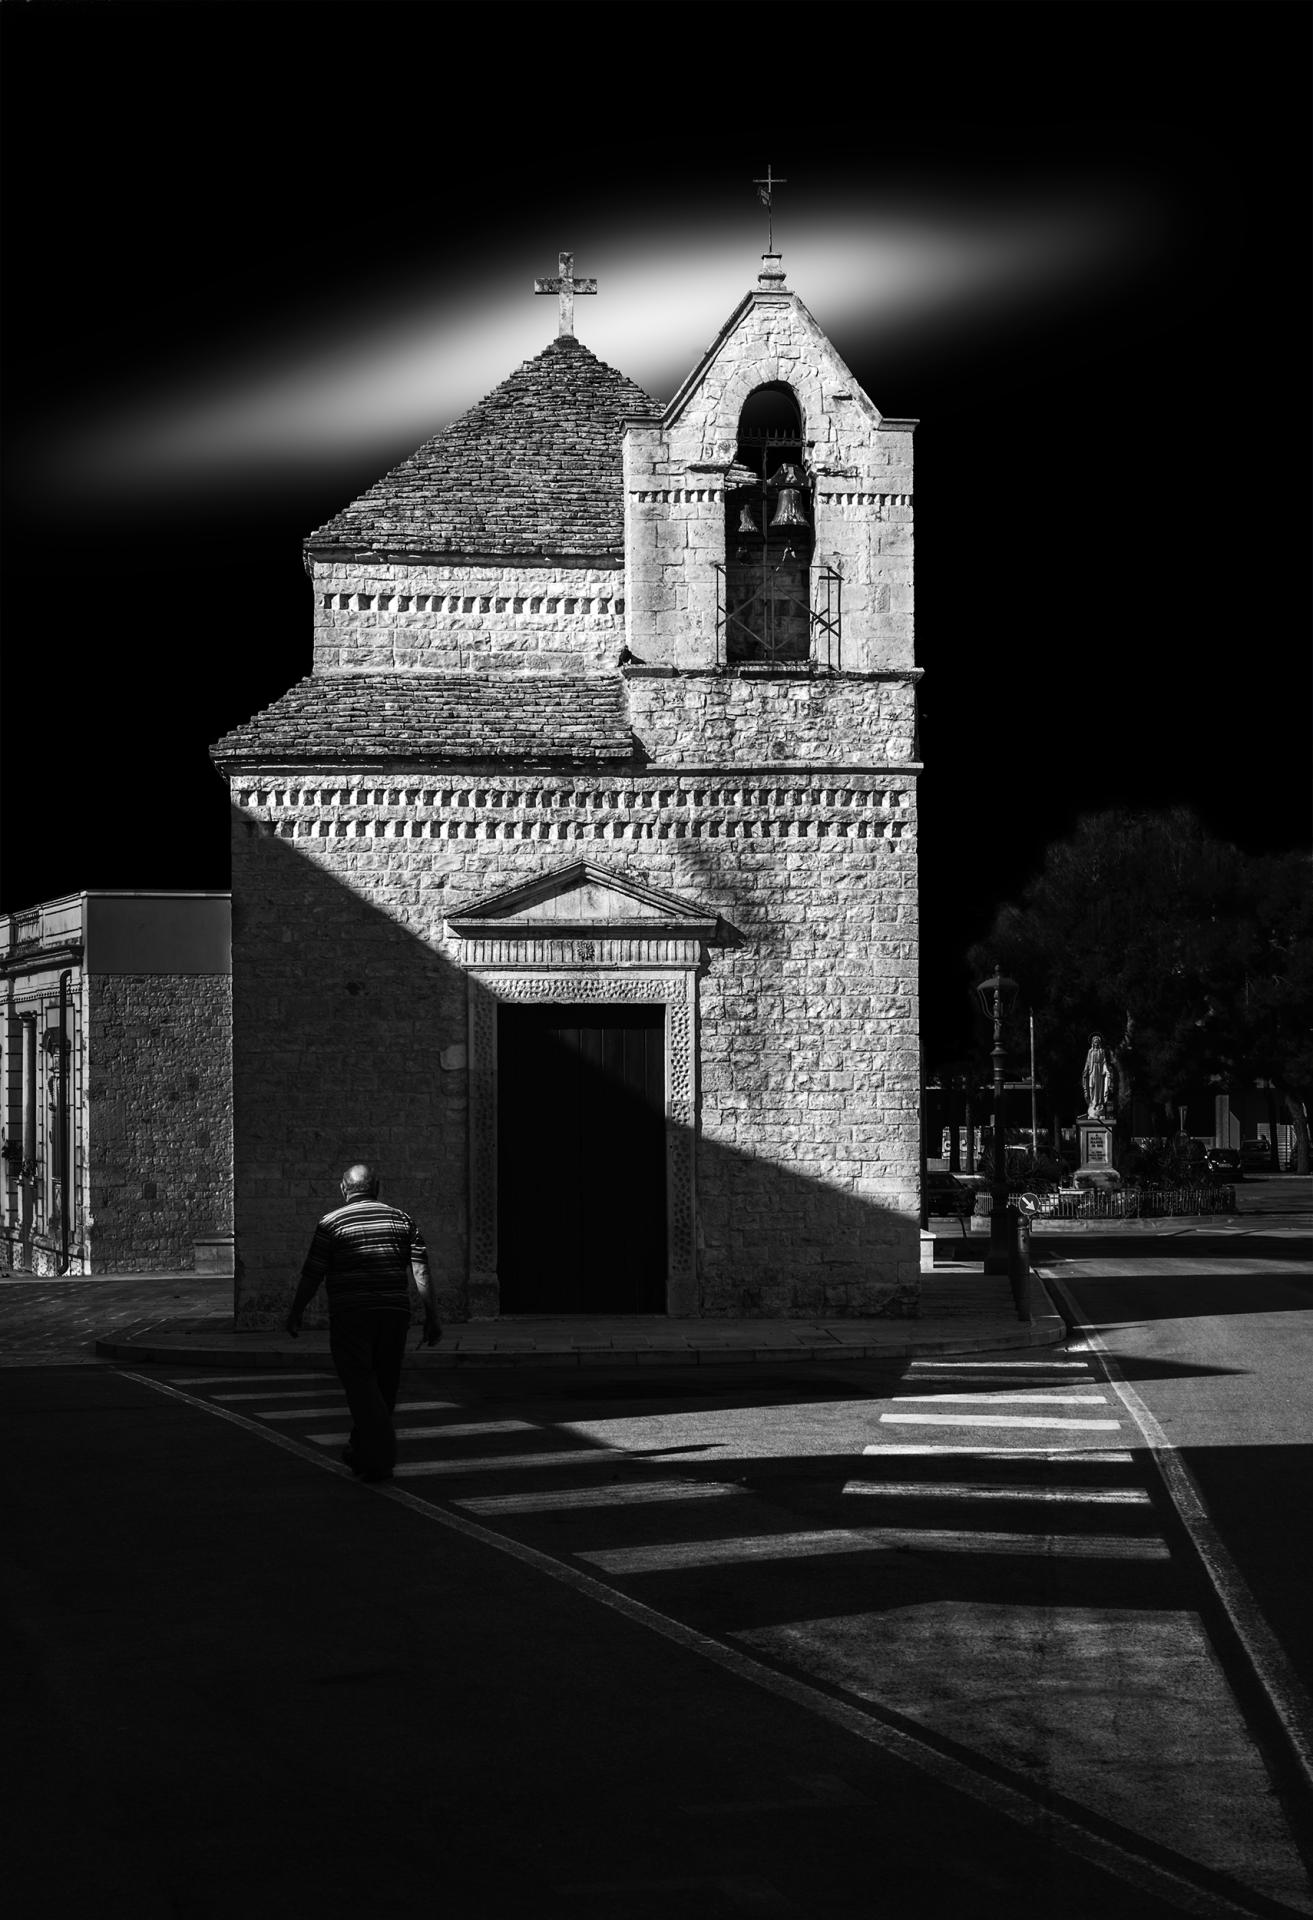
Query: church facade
point(576, 884)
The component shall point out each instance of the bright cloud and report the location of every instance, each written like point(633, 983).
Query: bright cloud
point(375, 380)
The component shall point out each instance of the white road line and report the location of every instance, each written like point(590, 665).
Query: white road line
point(317, 1413)
point(643, 1493)
point(1040, 1397)
point(991, 1490)
point(238, 1379)
point(992, 1420)
point(1013, 1798)
point(282, 1393)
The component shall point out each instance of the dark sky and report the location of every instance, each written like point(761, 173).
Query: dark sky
point(256, 254)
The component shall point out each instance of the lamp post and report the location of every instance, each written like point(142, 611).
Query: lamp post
point(997, 996)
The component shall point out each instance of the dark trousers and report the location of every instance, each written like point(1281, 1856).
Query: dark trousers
point(368, 1345)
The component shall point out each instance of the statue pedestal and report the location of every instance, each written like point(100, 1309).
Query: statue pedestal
point(1095, 1146)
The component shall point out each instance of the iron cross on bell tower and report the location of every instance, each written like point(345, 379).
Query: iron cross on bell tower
point(565, 284)
point(766, 195)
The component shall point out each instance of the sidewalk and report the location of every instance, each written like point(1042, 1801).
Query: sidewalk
point(180, 1320)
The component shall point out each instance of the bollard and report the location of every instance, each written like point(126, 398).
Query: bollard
point(1019, 1260)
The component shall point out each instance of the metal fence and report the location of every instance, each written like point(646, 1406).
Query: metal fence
point(1132, 1203)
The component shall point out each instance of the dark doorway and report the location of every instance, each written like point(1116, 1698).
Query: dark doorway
point(581, 1159)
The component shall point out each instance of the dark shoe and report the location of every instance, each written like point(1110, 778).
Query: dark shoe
point(375, 1479)
point(350, 1459)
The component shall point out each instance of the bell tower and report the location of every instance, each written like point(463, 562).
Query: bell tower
point(768, 509)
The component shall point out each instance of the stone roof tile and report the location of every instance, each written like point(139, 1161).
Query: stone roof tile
point(533, 469)
point(439, 716)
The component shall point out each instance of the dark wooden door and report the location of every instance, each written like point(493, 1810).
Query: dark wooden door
point(581, 1159)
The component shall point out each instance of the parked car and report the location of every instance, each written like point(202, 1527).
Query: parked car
point(1256, 1154)
point(945, 1193)
point(1224, 1163)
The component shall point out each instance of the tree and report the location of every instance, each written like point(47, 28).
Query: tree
point(1272, 1035)
point(1191, 959)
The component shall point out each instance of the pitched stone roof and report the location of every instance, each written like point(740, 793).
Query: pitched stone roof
point(533, 469)
point(576, 718)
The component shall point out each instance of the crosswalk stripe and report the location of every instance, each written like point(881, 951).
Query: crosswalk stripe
point(999, 1366)
point(990, 1490)
point(1074, 1546)
point(282, 1393)
point(643, 1493)
point(710, 1553)
point(1040, 1398)
point(237, 1379)
point(466, 1429)
point(614, 1461)
point(997, 1381)
point(993, 1420)
point(317, 1413)
point(672, 1556)
point(461, 1432)
point(933, 1449)
point(290, 1413)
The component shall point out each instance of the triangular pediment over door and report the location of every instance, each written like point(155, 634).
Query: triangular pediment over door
point(584, 899)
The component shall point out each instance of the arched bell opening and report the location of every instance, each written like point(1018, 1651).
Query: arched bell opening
point(768, 532)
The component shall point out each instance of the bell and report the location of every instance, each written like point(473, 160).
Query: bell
point(746, 522)
point(788, 510)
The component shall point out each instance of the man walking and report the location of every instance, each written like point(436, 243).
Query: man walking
point(364, 1253)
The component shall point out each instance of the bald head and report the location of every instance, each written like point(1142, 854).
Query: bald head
point(359, 1180)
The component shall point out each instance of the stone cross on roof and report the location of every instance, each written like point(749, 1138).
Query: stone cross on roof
point(565, 284)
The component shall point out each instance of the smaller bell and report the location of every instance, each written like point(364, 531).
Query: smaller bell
point(788, 510)
point(746, 522)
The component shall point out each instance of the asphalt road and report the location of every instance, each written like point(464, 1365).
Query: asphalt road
point(1214, 1332)
point(908, 1643)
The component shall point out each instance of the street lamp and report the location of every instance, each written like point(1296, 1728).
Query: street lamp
point(997, 997)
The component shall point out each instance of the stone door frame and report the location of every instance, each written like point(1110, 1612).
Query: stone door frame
point(509, 979)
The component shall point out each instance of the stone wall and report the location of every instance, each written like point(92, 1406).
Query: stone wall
point(351, 1000)
point(773, 719)
point(377, 614)
point(158, 1127)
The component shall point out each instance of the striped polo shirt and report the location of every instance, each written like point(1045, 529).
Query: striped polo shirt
point(363, 1252)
